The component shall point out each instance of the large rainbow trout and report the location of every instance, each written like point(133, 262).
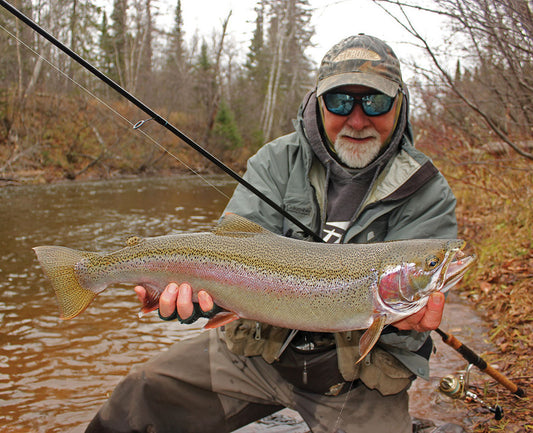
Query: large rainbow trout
point(255, 274)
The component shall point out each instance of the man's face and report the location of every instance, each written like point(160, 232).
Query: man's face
point(358, 138)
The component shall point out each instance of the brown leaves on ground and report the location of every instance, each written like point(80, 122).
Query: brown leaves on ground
point(495, 215)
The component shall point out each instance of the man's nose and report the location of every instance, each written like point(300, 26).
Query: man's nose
point(357, 119)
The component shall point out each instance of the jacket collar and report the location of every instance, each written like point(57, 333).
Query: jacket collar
point(403, 171)
point(311, 124)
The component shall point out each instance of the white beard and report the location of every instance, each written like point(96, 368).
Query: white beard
point(357, 155)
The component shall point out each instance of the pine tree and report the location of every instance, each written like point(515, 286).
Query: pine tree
point(176, 54)
point(106, 50)
point(119, 36)
point(176, 74)
point(225, 132)
point(256, 63)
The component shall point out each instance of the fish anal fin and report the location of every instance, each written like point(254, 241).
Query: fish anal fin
point(235, 225)
point(371, 336)
point(221, 319)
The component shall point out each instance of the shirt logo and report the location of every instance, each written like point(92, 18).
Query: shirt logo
point(334, 230)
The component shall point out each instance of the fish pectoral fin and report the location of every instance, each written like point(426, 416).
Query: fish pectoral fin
point(221, 319)
point(371, 336)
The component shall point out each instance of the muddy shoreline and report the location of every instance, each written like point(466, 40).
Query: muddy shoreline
point(497, 295)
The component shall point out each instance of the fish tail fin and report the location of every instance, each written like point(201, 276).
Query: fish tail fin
point(58, 264)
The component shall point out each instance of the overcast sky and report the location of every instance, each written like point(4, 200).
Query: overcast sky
point(333, 20)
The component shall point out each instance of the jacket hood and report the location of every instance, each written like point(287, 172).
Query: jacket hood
point(310, 119)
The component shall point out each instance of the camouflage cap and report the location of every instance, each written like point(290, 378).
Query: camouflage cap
point(363, 60)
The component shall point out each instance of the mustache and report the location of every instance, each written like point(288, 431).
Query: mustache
point(359, 134)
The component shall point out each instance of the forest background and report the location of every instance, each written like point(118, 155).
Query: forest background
point(61, 122)
point(472, 100)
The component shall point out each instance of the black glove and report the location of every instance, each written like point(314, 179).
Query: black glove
point(196, 314)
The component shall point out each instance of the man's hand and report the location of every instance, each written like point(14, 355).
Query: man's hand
point(178, 298)
point(428, 318)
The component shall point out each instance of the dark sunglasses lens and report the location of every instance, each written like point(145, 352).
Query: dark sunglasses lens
point(373, 105)
point(339, 103)
point(376, 105)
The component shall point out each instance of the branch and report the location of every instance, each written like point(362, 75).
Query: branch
point(409, 27)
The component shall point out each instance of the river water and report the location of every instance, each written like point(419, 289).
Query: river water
point(55, 374)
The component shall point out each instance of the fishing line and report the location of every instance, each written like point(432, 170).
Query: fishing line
point(157, 118)
point(137, 126)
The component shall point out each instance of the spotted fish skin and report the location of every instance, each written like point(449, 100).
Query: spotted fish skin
point(259, 275)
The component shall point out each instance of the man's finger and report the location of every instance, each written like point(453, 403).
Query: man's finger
point(434, 310)
point(410, 322)
point(184, 301)
point(167, 301)
point(205, 300)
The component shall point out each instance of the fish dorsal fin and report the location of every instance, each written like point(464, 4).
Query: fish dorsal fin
point(133, 240)
point(235, 225)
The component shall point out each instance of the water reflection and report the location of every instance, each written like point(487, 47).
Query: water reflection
point(55, 374)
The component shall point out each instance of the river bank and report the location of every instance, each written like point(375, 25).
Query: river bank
point(495, 215)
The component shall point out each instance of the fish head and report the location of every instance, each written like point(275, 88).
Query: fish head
point(422, 268)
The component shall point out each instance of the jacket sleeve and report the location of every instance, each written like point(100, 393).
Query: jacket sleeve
point(276, 169)
point(267, 177)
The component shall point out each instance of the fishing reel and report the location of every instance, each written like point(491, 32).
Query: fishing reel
point(458, 387)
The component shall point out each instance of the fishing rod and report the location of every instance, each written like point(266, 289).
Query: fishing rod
point(473, 358)
point(458, 387)
point(156, 117)
point(467, 353)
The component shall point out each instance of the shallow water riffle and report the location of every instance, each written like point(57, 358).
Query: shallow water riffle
point(54, 375)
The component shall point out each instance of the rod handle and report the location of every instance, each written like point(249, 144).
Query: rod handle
point(511, 386)
point(474, 358)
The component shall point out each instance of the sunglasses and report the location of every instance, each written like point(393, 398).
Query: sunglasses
point(343, 104)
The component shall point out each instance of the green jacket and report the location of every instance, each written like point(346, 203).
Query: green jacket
point(409, 199)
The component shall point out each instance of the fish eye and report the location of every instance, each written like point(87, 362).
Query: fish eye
point(432, 262)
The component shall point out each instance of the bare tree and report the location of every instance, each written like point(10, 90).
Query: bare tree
point(289, 36)
point(216, 80)
point(280, 36)
point(498, 37)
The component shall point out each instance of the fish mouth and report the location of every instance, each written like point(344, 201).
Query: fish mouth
point(456, 270)
point(453, 268)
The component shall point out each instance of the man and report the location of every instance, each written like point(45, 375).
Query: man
point(350, 173)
